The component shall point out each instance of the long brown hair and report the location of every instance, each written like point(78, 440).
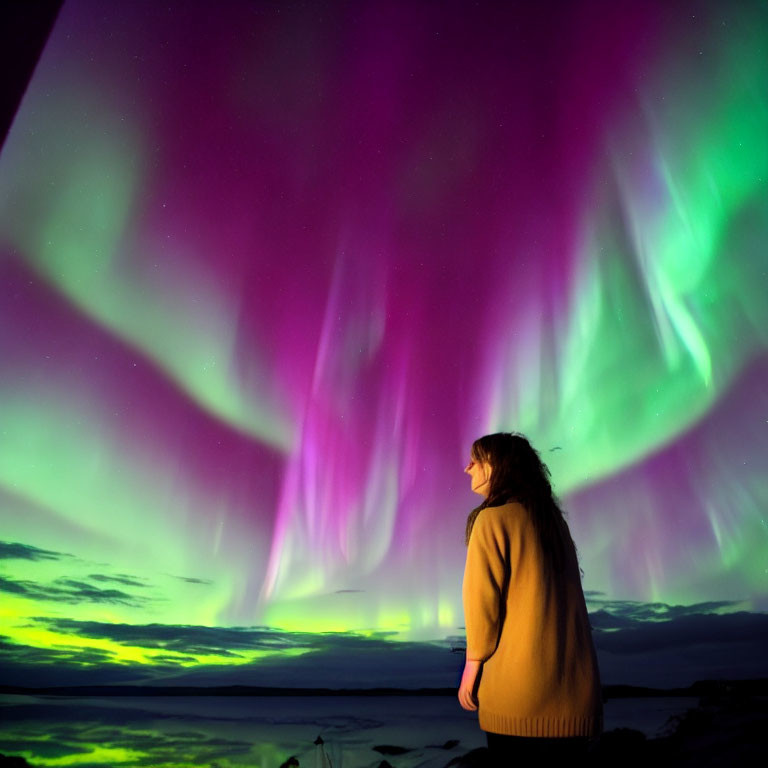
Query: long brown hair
point(519, 474)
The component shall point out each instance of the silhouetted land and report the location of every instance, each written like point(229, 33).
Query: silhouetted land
point(701, 688)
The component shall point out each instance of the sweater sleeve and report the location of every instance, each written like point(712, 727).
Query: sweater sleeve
point(484, 578)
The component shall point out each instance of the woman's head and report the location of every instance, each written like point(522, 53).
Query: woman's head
point(512, 469)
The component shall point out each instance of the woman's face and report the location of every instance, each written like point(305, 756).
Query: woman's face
point(480, 476)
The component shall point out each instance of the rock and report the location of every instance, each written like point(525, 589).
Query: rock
point(8, 761)
point(388, 749)
point(450, 744)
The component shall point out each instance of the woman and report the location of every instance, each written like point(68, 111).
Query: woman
point(531, 670)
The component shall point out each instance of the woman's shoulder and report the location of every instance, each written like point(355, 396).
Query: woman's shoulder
point(511, 513)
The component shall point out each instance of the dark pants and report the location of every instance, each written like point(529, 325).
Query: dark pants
point(518, 750)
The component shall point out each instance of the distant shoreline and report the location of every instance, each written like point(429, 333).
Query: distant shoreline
point(718, 688)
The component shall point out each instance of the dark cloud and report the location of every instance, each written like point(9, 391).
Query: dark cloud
point(193, 580)
point(68, 591)
point(624, 611)
point(34, 675)
point(630, 628)
point(320, 660)
point(42, 749)
point(16, 587)
point(16, 551)
point(660, 645)
point(58, 654)
point(31, 666)
point(339, 661)
point(602, 620)
point(80, 591)
point(686, 631)
point(174, 661)
point(120, 578)
point(219, 641)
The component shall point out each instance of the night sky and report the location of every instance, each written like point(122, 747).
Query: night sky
point(268, 268)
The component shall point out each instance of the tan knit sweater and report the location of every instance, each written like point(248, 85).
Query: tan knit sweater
point(530, 629)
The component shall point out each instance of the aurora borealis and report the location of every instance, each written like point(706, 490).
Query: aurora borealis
point(267, 269)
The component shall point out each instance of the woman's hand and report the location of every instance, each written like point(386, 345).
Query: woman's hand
point(467, 697)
